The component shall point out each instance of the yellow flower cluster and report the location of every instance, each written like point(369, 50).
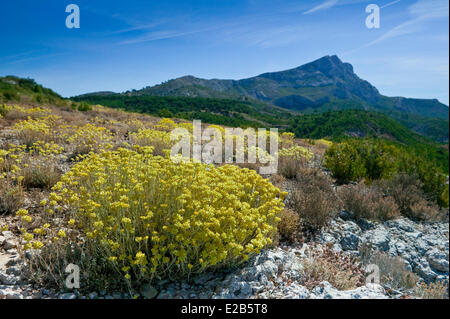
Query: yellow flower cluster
point(297, 151)
point(287, 139)
point(28, 111)
point(16, 158)
point(324, 142)
point(11, 160)
point(150, 137)
point(31, 130)
point(166, 125)
point(36, 125)
point(46, 149)
point(89, 137)
point(152, 218)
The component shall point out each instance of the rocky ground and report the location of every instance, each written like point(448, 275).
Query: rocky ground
point(277, 272)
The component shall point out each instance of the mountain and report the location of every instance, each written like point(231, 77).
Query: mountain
point(324, 84)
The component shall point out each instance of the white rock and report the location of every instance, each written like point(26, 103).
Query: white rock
point(9, 244)
point(326, 291)
point(438, 260)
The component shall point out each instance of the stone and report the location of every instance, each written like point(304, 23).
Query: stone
point(148, 291)
point(351, 227)
point(12, 261)
point(295, 291)
point(326, 291)
point(423, 269)
point(9, 244)
point(326, 238)
point(345, 215)
point(349, 242)
point(241, 289)
point(366, 224)
point(438, 260)
point(13, 295)
point(15, 271)
point(379, 238)
point(8, 280)
point(67, 296)
point(401, 224)
point(8, 234)
point(93, 295)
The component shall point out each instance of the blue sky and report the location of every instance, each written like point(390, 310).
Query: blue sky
point(124, 45)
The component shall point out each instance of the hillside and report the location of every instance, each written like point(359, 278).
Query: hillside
point(211, 110)
point(339, 125)
point(101, 182)
point(318, 85)
point(15, 89)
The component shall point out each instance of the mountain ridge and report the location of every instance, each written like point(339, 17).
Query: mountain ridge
point(319, 85)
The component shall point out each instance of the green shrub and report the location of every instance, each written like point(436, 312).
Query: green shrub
point(84, 107)
point(371, 159)
point(3, 110)
point(10, 95)
point(345, 162)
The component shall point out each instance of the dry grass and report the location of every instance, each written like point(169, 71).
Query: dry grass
point(406, 190)
point(435, 291)
point(277, 180)
point(342, 272)
point(368, 203)
point(42, 176)
point(11, 197)
point(393, 272)
point(314, 199)
point(288, 166)
point(289, 226)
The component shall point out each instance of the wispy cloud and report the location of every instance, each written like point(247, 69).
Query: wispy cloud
point(390, 4)
point(420, 13)
point(323, 6)
point(33, 58)
point(159, 35)
point(137, 28)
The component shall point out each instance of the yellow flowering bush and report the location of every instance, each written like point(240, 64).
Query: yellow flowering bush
point(324, 142)
point(36, 168)
point(166, 125)
point(49, 149)
point(159, 140)
point(11, 160)
point(287, 139)
point(297, 151)
point(4, 109)
point(151, 218)
point(87, 138)
point(22, 112)
point(31, 130)
point(134, 125)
